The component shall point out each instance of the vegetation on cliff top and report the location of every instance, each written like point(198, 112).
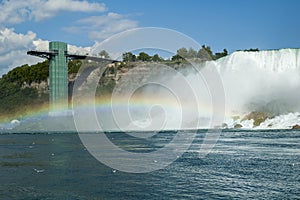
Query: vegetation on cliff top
point(203, 54)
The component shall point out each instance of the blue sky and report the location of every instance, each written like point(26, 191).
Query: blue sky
point(231, 24)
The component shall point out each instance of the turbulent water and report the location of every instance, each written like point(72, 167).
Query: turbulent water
point(252, 164)
point(266, 81)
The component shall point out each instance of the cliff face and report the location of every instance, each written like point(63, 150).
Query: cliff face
point(42, 87)
point(258, 117)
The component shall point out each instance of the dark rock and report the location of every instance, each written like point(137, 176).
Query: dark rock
point(296, 127)
point(238, 126)
point(258, 117)
point(224, 125)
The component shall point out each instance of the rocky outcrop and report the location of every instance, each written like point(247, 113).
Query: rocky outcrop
point(258, 117)
point(237, 126)
point(42, 87)
point(224, 126)
point(296, 127)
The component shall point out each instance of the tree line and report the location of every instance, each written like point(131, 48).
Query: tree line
point(204, 53)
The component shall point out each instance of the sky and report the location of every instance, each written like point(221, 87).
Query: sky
point(230, 24)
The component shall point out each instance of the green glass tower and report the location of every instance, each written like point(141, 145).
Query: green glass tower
point(58, 57)
point(58, 76)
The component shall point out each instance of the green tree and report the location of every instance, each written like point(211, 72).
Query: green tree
point(28, 74)
point(128, 57)
point(183, 52)
point(222, 54)
point(144, 57)
point(74, 66)
point(192, 53)
point(104, 54)
point(156, 58)
point(203, 55)
point(256, 49)
point(208, 51)
point(176, 58)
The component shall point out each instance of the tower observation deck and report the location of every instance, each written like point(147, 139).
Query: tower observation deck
point(58, 72)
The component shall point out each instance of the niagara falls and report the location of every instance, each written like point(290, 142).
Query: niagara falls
point(265, 82)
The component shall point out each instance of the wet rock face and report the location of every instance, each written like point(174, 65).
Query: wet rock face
point(296, 127)
point(224, 125)
point(238, 126)
point(258, 117)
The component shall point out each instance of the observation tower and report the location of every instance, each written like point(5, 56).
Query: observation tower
point(58, 72)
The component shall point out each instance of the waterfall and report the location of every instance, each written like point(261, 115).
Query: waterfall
point(271, 60)
point(262, 81)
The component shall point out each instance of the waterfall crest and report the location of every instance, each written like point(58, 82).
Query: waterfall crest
point(263, 81)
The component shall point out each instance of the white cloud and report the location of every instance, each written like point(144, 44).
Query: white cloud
point(43, 45)
point(14, 47)
point(11, 41)
point(17, 11)
point(101, 27)
point(72, 49)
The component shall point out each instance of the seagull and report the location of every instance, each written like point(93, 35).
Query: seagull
point(114, 170)
point(39, 170)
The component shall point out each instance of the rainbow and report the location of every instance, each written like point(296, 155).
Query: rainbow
point(138, 103)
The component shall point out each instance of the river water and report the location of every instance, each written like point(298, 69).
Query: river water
point(243, 164)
